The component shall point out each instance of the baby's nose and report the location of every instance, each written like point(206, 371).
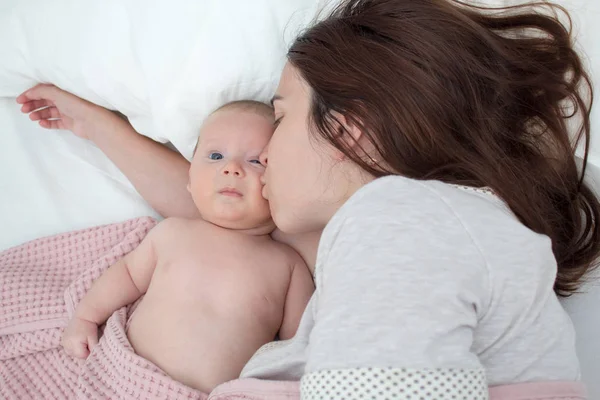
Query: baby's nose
point(232, 168)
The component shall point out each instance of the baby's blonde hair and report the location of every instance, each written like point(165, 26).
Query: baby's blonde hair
point(248, 105)
point(257, 107)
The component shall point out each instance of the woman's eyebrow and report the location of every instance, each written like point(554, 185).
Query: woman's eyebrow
point(275, 98)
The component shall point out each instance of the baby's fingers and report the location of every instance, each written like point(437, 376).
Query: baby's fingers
point(52, 124)
point(35, 105)
point(92, 341)
point(76, 349)
point(39, 92)
point(22, 98)
point(44, 113)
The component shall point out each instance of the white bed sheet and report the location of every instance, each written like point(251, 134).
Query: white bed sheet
point(52, 181)
point(584, 310)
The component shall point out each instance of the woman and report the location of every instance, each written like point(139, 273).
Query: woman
point(428, 140)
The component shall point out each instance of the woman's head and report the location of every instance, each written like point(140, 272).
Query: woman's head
point(307, 178)
point(435, 89)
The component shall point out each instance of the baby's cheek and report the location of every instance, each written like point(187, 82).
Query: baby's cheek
point(264, 205)
point(263, 208)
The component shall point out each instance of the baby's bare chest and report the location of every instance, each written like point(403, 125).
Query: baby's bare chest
point(221, 272)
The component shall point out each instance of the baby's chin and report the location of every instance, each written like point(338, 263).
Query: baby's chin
point(243, 223)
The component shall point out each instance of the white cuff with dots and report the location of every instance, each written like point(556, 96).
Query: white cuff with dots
point(395, 384)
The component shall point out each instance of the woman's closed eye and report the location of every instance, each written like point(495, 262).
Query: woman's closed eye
point(277, 121)
point(215, 155)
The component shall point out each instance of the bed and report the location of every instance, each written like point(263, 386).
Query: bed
point(52, 181)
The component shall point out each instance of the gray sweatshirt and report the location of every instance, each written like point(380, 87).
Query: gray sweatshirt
point(421, 281)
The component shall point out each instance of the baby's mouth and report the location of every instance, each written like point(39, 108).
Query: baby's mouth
point(231, 192)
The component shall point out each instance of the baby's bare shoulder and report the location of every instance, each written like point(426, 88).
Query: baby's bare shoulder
point(172, 228)
point(285, 254)
point(169, 224)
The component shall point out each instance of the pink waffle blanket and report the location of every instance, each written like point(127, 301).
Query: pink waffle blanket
point(41, 283)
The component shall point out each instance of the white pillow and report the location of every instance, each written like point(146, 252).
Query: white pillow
point(165, 65)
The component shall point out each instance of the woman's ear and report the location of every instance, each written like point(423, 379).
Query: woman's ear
point(348, 132)
point(352, 136)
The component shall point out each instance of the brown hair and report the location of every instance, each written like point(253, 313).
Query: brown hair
point(465, 95)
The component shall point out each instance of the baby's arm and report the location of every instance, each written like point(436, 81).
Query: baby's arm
point(299, 292)
point(121, 284)
point(159, 174)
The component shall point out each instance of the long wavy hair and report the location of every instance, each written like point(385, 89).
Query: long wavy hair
point(484, 97)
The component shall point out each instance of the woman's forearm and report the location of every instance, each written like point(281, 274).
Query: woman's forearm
point(158, 173)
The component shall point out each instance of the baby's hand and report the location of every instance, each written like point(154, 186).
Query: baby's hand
point(56, 109)
point(80, 337)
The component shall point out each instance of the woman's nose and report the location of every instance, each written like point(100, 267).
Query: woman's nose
point(264, 158)
point(233, 168)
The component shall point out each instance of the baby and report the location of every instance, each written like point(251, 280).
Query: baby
point(217, 288)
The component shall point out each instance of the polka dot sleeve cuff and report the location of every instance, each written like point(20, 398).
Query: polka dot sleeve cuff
point(395, 383)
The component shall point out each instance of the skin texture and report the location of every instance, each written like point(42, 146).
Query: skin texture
point(216, 288)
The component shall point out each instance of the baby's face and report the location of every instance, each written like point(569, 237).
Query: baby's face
point(225, 171)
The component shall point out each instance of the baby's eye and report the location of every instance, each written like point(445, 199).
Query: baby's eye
point(215, 156)
point(256, 162)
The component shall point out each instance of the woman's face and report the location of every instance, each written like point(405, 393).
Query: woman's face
point(299, 184)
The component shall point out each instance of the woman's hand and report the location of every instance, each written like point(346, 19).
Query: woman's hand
point(80, 337)
point(56, 109)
